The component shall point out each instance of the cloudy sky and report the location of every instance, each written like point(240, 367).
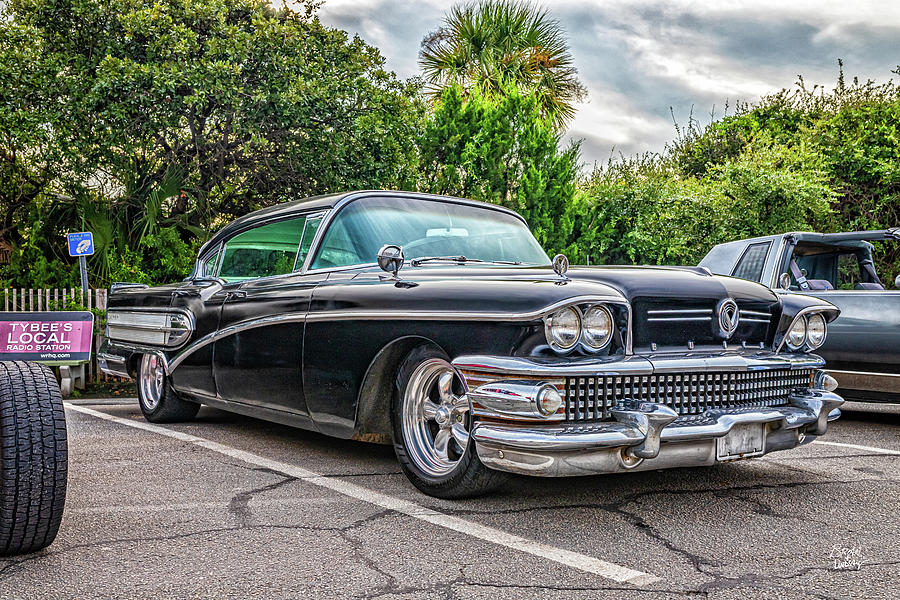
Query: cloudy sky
point(639, 58)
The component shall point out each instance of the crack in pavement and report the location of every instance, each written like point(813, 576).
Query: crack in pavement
point(10, 569)
point(240, 502)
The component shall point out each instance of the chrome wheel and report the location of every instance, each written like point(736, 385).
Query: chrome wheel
point(151, 380)
point(435, 418)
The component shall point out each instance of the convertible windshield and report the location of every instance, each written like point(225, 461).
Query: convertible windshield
point(426, 228)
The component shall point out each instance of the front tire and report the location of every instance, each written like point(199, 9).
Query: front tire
point(159, 402)
point(431, 427)
point(33, 457)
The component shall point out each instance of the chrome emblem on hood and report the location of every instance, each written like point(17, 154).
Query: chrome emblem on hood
point(729, 317)
point(561, 265)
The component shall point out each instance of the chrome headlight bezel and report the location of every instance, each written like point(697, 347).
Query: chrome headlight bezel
point(611, 323)
point(551, 321)
point(796, 344)
point(600, 308)
point(819, 320)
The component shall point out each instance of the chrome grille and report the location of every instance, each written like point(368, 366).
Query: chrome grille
point(590, 398)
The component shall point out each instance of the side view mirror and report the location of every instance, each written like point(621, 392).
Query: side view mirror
point(784, 282)
point(897, 282)
point(390, 259)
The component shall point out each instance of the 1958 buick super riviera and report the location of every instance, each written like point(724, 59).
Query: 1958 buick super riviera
point(479, 355)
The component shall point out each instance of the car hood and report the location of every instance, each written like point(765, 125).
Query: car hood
point(527, 289)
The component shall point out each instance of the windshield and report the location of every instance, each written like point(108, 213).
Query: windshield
point(426, 228)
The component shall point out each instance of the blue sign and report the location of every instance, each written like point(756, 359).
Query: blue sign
point(81, 244)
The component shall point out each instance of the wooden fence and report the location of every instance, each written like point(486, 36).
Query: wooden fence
point(61, 299)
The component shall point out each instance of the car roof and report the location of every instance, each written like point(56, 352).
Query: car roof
point(325, 202)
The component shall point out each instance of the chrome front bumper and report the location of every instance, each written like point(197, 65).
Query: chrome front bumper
point(645, 435)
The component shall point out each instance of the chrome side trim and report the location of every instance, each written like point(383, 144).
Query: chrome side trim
point(424, 315)
point(231, 330)
point(867, 381)
point(677, 319)
point(679, 315)
point(386, 314)
point(756, 313)
point(192, 324)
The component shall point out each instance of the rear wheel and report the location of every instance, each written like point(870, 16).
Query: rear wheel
point(432, 426)
point(33, 457)
point(159, 402)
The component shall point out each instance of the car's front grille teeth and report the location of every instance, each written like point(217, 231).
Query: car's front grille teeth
point(589, 398)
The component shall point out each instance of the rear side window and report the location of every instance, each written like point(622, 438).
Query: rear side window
point(752, 262)
point(262, 251)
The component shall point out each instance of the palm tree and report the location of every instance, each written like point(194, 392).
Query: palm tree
point(493, 44)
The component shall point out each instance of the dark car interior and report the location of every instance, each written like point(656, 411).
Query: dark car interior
point(845, 266)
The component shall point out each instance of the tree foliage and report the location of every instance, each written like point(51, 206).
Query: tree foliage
point(183, 114)
point(801, 159)
point(494, 45)
point(500, 149)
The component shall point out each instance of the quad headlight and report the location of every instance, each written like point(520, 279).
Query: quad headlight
point(563, 328)
point(796, 335)
point(591, 325)
point(597, 326)
point(815, 331)
point(806, 332)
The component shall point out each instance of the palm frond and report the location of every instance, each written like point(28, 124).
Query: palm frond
point(491, 44)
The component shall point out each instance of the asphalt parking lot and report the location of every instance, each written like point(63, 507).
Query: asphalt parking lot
point(231, 507)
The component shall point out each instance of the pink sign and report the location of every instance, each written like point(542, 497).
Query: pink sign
point(46, 336)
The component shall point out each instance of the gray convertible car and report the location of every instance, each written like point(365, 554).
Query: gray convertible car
point(863, 347)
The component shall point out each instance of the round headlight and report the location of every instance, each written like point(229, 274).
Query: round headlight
point(797, 334)
point(563, 328)
point(815, 331)
point(597, 325)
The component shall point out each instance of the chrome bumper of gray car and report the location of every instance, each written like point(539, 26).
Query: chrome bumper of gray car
point(631, 443)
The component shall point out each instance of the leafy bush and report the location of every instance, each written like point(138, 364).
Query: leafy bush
point(644, 210)
point(500, 149)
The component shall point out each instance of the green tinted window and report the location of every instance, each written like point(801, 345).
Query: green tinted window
point(425, 228)
point(263, 251)
point(309, 232)
point(209, 266)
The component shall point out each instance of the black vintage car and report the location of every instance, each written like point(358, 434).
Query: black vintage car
point(439, 324)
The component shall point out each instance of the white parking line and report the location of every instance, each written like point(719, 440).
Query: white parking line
point(568, 558)
point(858, 447)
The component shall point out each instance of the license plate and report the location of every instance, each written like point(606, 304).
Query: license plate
point(743, 441)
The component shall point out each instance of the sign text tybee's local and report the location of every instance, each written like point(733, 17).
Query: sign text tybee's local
point(46, 336)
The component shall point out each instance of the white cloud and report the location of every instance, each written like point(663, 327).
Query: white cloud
point(638, 58)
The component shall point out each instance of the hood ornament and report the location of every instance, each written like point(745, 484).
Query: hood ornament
point(561, 266)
